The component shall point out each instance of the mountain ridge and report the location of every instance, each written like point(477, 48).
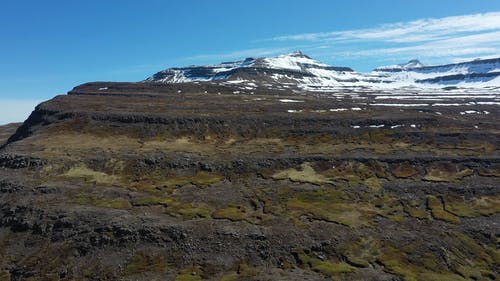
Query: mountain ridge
point(300, 70)
point(414, 63)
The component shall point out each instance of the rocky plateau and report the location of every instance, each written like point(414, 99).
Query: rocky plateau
point(215, 180)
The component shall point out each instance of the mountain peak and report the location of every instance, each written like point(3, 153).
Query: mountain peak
point(303, 72)
point(290, 64)
point(414, 63)
point(298, 54)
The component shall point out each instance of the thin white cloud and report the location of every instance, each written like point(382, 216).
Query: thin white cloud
point(487, 43)
point(413, 31)
point(416, 51)
point(440, 39)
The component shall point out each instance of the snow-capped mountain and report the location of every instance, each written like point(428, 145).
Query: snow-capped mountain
point(297, 70)
point(477, 73)
point(294, 66)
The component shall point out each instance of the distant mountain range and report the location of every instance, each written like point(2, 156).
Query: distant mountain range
point(299, 71)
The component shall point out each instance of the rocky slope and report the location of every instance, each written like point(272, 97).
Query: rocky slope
point(209, 181)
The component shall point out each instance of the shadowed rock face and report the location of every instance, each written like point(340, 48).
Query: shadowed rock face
point(141, 181)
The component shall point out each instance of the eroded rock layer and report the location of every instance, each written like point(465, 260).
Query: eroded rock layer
point(194, 182)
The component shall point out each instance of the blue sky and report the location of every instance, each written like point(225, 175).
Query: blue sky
point(48, 47)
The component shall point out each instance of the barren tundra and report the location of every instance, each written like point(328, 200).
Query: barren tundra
point(209, 180)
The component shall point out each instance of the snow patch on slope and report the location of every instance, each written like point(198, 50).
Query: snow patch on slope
point(298, 71)
point(294, 61)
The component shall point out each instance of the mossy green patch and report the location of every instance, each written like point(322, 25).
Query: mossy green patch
point(356, 174)
point(101, 202)
point(387, 205)
point(404, 170)
point(172, 205)
point(230, 277)
point(144, 262)
point(191, 211)
point(379, 168)
point(350, 171)
point(306, 174)
point(398, 218)
point(438, 212)
point(153, 199)
point(189, 274)
point(244, 272)
point(188, 210)
point(473, 207)
point(395, 261)
point(51, 169)
point(143, 179)
point(187, 277)
point(468, 245)
point(441, 276)
point(414, 209)
point(489, 172)
point(373, 183)
point(83, 172)
point(333, 206)
point(232, 212)
point(328, 268)
point(360, 252)
point(446, 173)
point(470, 272)
point(476, 145)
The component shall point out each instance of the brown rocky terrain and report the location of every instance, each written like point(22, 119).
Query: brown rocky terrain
point(145, 181)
